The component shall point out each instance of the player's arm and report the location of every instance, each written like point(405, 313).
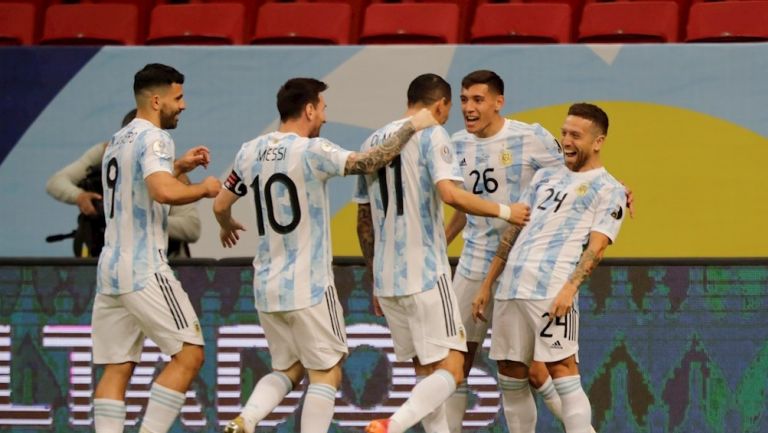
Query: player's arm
point(373, 159)
point(166, 189)
point(222, 209)
point(455, 226)
point(193, 158)
point(365, 237)
point(483, 295)
point(589, 260)
point(462, 200)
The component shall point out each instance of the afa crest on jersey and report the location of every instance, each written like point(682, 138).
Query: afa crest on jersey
point(505, 158)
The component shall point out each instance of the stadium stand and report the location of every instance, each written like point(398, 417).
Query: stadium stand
point(521, 23)
point(303, 23)
point(90, 24)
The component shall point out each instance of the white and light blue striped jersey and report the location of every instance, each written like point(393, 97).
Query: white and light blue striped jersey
point(566, 207)
point(136, 236)
point(410, 252)
point(288, 175)
point(498, 169)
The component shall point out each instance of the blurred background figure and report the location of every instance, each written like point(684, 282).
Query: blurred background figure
point(79, 183)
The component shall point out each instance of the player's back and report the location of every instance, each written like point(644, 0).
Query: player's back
point(410, 248)
point(498, 168)
point(566, 207)
point(135, 238)
point(288, 174)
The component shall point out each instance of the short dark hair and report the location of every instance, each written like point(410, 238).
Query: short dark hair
point(129, 116)
point(156, 74)
point(295, 94)
point(428, 89)
point(590, 112)
point(484, 76)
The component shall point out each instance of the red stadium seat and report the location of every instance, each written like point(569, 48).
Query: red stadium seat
point(357, 8)
point(411, 23)
point(466, 12)
point(90, 24)
point(732, 21)
point(196, 24)
point(521, 23)
point(17, 23)
point(303, 23)
point(682, 11)
point(629, 22)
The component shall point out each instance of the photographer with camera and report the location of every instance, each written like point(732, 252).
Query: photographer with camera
point(79, 183)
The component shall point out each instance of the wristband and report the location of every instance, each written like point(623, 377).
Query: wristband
point(504, 212)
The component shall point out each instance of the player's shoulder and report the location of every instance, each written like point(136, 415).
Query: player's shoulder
point(436, 133)
point(610, 182)
point(531, 130)
point(461, 137)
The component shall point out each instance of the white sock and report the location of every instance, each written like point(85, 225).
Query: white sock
point(551, 398)
point(437, 420)
point(163, 408)
point(267, 394)
point(319, 403)
point(455, 407)
point(426, 396)
point(519, 406)
point(577, 413)
point(108, 415)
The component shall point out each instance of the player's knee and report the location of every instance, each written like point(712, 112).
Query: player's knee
point(192, 357)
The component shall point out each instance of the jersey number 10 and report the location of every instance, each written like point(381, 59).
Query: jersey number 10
point(293, 198)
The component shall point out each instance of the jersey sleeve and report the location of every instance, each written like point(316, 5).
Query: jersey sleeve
point(610, 212)
point(440, 156)
point(157, 153)
point(236, 180)
point(546, 151)
point(326, 159)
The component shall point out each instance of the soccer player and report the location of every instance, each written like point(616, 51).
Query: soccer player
point(498, 157)
point(293, 283)
point(400, 227)
point(577, 213)
point(137, 293)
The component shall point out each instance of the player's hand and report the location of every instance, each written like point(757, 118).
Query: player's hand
point(212, 186)
point(377, 307)
point(423, 119)
point(563, 302)
point(197, 156)
point(229, 235)
point(481, 300)
point(520, 215)
point(85, 202)
point(630, 201)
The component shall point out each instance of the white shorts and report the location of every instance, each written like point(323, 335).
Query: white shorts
point(316, 336)
point(161, 311)
point(465, 290)
point(425, 325)
point(523, 332)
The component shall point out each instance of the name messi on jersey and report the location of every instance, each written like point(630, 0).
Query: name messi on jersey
point(271, 154)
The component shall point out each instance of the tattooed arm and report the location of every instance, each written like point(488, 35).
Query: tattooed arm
point(483, 295)
point(379, 156)
point(365, 232)
point(589, 260)
point(365, 237)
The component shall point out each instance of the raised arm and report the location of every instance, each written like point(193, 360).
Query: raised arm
point(166, 189)
point(381, 155)
point(589, 260)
